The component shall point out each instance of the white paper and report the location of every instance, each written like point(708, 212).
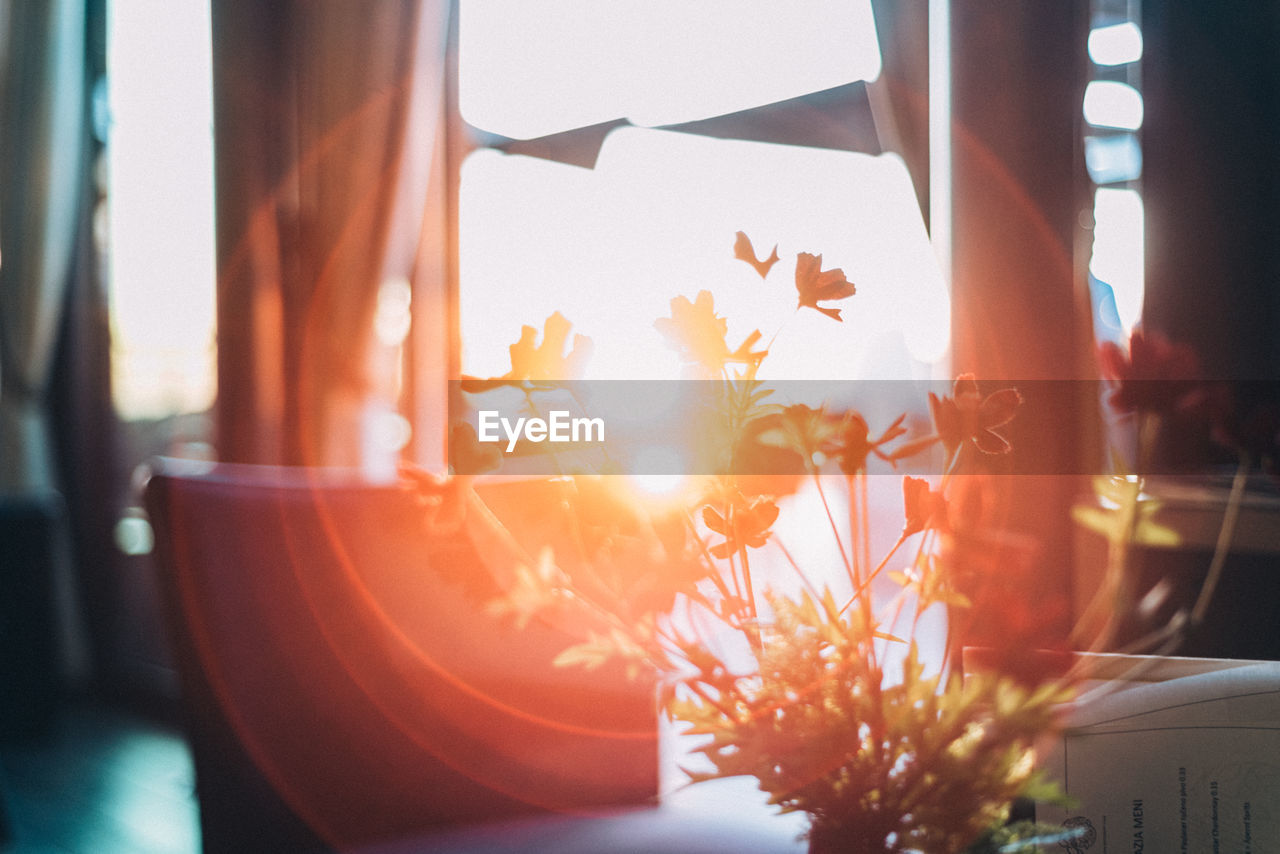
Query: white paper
point(1190, 765)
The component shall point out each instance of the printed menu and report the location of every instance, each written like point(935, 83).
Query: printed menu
point(1184, 765)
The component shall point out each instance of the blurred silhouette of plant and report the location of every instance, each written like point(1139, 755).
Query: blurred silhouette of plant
point(822, 694)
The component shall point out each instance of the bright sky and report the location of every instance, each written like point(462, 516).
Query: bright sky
point(610, 247)
point(607, 247)
point(533, 68)
point(161, 207)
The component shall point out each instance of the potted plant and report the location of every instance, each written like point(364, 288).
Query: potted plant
point(820, 689)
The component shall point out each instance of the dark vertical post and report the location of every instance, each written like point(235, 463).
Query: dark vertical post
point(1211, 179)
point(903, 32)
point(255, 146)
point(1020, 308)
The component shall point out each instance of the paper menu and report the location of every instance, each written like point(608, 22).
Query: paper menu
point(1190, 765)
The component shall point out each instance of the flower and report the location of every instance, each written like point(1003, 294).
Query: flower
point(815, 284)
point(744, 251)
point(745, 524)
point(1155, 376)
point(548, 361)
point(697, 332)
point(923, 506)
point(805, 702)
point(800, 429)
point(967, 416)
point(855, 444)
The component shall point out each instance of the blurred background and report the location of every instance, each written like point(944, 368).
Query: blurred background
point(273, 233)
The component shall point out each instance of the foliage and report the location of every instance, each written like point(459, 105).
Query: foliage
point(824, 697)
point(914, 763)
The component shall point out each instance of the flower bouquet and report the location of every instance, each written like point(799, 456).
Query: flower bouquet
point(825, 688)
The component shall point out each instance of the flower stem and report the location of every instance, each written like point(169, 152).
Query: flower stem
point(866, 582)
point(1223, 545)
point(754, 633)
point(697, 688)
point(865, 510)
point(835, 530)
point(804, 579)
point(713, 572)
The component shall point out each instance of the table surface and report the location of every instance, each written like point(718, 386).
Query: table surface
point(727, 816)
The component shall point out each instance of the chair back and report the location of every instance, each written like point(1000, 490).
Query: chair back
point(346, 682)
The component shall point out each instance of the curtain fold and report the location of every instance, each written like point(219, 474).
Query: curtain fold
point(314, 101)
point(43, 140)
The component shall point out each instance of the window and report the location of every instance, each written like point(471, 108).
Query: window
point(656, 218)
point(655, 215)
point(1113, 110)
point(155, 232)
point(160, 209)
point(540, 68)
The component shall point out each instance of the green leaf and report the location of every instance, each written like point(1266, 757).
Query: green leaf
point(1153, 534)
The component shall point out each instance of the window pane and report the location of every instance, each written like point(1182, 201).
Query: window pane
point(1111, 159)
point(1118, 249)
point(534, 68)
point(161, 207)
point(610, 247)
point(1116, 45)
point(1108, 103)
point(1113, 105)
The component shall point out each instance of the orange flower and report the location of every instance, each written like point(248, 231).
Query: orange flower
point(747, 525)
point(924, 507)
point(798, 430)
point(967, 415)
point(744, 251)
point(697, 332)
point(802, 431)
point(856, 443)
point(547, 361)
point(1155, 376)
point(815, 284)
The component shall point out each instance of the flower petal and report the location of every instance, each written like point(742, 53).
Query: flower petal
point(763, 514)
point(714, 520)
point(992, 443)
point(744, 251)
point(914, 492)
point(946, 421)
point(965, 384)
point(1000, 407)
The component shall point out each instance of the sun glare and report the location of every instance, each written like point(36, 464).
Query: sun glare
point(660, 487)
